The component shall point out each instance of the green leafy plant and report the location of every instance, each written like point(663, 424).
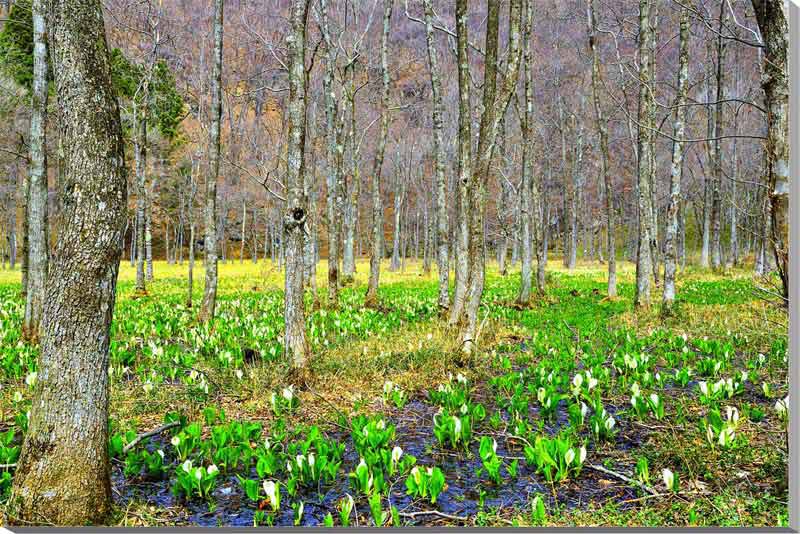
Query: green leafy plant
point(425, 482)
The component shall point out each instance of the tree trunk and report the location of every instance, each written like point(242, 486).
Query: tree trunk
point(495, 106)
point(333, 161)
point(376, 252)
point(63, 474)
point(773, 24)
point(294, 219)
point(464, 164)
point(244, 230)
point(644, 267)
point(716, 199)
point(140, 161)
point(676, 173)
point(605, 176)
point(525, 186)
point(209, 304)
point(440, 185)
point(38, 247)
point(148, 236)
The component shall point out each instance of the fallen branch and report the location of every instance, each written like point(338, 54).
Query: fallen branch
point(622, 477)
point(135, 441)
point(7, 466)
point(412, 515)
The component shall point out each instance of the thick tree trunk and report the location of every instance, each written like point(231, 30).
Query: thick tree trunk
point(209, 304)
point(294, 219)
point(605, 176)
point(376, 251)
point(773, 23)
point(38, 247)
point(63, 474)
point(676, 173)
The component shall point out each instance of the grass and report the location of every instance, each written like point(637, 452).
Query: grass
point(163, 361)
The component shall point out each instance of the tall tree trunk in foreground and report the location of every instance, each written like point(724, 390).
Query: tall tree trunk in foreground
point(294, 219)
point(773, 24)
point(495, 106)
point(442, 224)
point(376, 253)
point(209, 304)
point(525, 186)
point(644, 267)
point(671, 237)
point(464, 164)
point(63, 474)
point(38, 247)
point(602, 129)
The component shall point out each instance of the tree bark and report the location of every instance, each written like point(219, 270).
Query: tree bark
point(440, 186)
point(602, 130)
point(464, 164)
point(644, 268)
point(773, 24)
point(716, 198)
point(63, 475)
point(209, 304)
point(294, 219)
point(38, 247)
point(495, 106)
point(676, 172)
point(526, 184)
point(376, 252)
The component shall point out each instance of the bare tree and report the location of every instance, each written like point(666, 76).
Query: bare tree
point(644, 268)
point(772, 22)
point(376, 254)
point(296, 346)
point(209, 304)
point(38, 247)
point(602, 131)
point(494, 108)
point(63, 474)
point(676, 173)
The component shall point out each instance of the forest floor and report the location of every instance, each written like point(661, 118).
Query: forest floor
point(511, 422)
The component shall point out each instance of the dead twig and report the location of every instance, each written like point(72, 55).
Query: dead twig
point(624, 478)
point(135, 441)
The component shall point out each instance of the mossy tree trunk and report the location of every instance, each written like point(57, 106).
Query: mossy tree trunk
point(63, 476)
